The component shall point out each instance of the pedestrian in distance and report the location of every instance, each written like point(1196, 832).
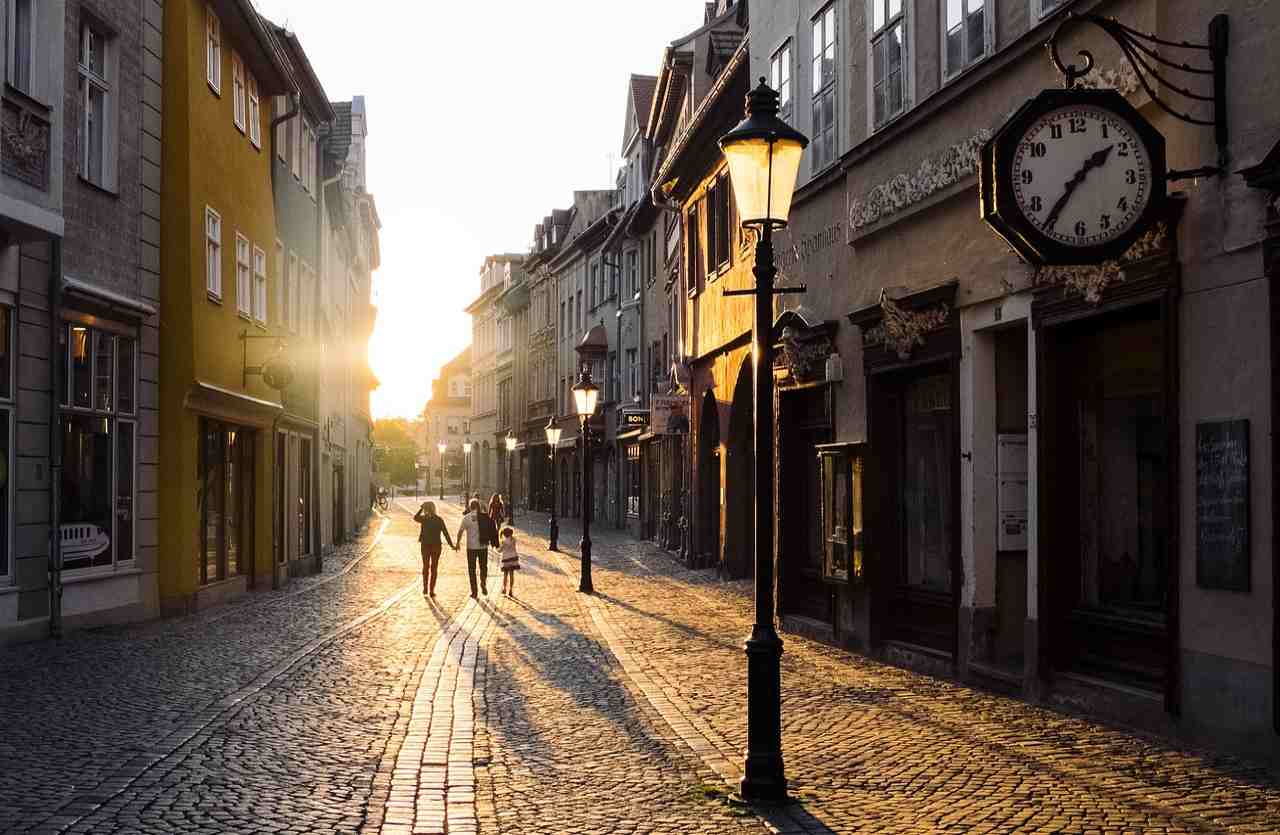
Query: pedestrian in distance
point(510, 561)
point(481, 533)
point(496, 510)
point(431, 528)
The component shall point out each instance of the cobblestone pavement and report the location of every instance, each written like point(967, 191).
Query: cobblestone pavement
point(873, 748)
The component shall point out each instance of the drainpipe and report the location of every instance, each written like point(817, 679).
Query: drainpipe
point(322, 251)
point(55, 445)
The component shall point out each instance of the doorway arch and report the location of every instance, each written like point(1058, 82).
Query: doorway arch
point(708, 530)
point(739, 474)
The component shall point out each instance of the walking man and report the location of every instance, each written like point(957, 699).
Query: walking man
point(431, 529)
point(480, 532)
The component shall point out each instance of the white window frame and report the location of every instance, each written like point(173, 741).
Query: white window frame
point(988, 37)
point(259, 285)
point(819, 89)
point(295, 145)
point(278, 256)
point(907, 19)
point(1040, 9)
point(13, 70)
point(213, 253)
point(89, 82)
point(291, 294)
point(782, 78)
point(244, 291)
point(255, 109)
point(282, 130)
point(213, 49)
point(237, 91)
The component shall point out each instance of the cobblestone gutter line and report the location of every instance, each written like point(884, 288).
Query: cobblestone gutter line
point(711, 748)
point(196, 731)
point(432, 788)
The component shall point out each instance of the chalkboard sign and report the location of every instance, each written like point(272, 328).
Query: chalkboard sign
point(1222, 505)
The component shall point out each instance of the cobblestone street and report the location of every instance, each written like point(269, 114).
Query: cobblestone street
point(350, 703)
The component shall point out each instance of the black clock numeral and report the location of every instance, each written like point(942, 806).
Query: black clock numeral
point(1037, 149)
point(1081, 229)
point(1027, 177)
point(1055, 131)
point(1122, 150)
point(1077, 124)
point(1105, 221)
point(1123, 205)
point(1130, 176)
point(1036, 203)
point(1105, 133)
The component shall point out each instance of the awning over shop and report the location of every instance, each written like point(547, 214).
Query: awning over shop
point(630, 435)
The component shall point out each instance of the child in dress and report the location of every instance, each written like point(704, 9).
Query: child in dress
point(510, 562)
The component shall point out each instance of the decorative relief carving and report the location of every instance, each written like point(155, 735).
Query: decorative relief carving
point(804, 353)
point(955, 163)
point(1091, 280)
point(24, 146)
point(934, 174)
point(904, 330)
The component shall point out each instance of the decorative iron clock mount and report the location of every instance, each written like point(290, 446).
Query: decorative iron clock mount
point(1077, 176)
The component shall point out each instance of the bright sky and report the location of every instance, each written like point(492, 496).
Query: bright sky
point(482, 118)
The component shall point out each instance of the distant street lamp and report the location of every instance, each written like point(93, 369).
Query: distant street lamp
point(585, 397)
point(466, 474)
point(763, 153)
point(511, 496)
point(442, 446)
point(553, 441)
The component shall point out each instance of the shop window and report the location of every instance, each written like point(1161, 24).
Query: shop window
point(225, 498)
point(98, 449)
point(926, 482)
point(633, 479)
point(844, 551)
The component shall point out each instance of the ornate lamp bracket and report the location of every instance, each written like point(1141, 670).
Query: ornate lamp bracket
point(1140, 50)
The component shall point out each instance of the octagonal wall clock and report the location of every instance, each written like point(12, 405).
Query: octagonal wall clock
point(1075, 176)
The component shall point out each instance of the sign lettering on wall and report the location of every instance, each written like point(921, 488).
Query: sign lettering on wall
point(1222, 505)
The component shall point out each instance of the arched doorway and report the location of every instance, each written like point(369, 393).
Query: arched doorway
point(708, 513)
point(739, 472)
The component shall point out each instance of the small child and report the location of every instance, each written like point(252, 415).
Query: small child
point(510, 562)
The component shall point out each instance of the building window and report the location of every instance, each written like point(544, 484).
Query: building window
point(633, 373)
point(277, 272)
point(19, 54)
point(718, 225)
point(96, 524)
point(243, 293)
point(291, 297)
point(965, 39)
point(295, 145)
point(282, 129)
point(692, 234)
point(94, 91)
point(213, 49)
point(6, 444)
point(633, 480)
point(259, 286)
point(237, 90)
point(1043, 8)
point(213, 253)
point(255, 111)
point(309, 159)
point(780, 79)
point(824, 87)
point(888, 60)
point(633, 273)
point(225, 496)
point(593, 288)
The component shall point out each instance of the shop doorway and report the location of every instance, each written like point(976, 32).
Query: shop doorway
point(739, 476)
point(339, 504)
point(1107, 531)
point(805, 414)
point(709, 496)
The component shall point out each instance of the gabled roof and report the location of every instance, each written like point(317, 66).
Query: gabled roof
point(313, 95)
point(640, 102)
point(339, 136)
point(257, 45)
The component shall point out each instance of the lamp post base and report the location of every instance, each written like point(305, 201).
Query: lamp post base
point(584, 584)
point(763, 777)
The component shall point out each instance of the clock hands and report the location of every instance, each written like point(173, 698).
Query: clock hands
point(1095, 160)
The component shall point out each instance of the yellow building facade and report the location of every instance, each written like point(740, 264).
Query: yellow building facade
point(220, 271)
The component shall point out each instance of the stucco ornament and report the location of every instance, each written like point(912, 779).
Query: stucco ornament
point(804, 353)
point(1122, 79)
point(905, 330)
point(1091, 280)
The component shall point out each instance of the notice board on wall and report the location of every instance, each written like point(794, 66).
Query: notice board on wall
point(1222, 505)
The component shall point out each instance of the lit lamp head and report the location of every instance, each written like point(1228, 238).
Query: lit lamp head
point(466, 447)
point(442, 446)
point(585, 396)
point(553, 433)
point(511, 443)
point(763, 153)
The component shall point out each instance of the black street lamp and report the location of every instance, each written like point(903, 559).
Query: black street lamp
point(466, 474)
point(442, 446)
point(511, 496)
point(585, 396)
point(763, 153)
point(553, 440)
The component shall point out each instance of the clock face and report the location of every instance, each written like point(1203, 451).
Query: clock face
point(1082, 175)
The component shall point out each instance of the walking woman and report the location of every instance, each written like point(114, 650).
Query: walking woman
point(481, 533)
point(496, 511)
point(430, 530)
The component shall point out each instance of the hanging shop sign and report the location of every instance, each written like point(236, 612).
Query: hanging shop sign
point(633, 419)
point(1078, 176)
point(670, 415)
